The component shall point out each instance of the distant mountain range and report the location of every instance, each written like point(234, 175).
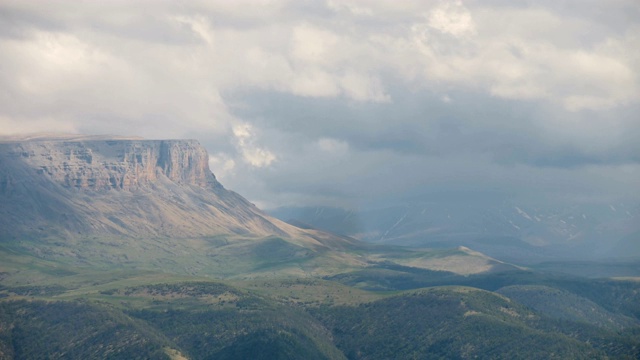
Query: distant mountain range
point(505, 229)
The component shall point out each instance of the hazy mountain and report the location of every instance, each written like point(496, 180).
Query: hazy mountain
point(504, 229)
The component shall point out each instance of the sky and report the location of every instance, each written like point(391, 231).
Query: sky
point(345, 103)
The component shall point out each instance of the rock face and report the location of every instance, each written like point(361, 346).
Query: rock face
point(74, 188)
point(114, 164)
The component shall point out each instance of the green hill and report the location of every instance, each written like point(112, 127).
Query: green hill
point(562, 304)
point(447, 323)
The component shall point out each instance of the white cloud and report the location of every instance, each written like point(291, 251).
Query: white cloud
point(251, 154)
point(527, 54)
point(199, 25)
point(312, 45)
point(242, 132)
point(258, 157)
point(452, 18)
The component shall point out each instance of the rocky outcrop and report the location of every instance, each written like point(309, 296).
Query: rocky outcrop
point(114, 164)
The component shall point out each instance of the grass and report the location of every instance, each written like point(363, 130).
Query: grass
point(25, 274)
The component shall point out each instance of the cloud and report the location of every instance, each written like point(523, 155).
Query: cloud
point(224, 165)
point(527, 54)
point(251, 154)
point(343, 100)
point(452, 18)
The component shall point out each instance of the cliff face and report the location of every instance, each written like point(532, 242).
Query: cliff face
point(113, 164)
point(136, 188)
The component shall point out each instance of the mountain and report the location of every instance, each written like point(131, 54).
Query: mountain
point(104, 201)
point(138, 188)
point(505, 229)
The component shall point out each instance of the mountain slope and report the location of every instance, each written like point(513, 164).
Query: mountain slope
point(134, 188)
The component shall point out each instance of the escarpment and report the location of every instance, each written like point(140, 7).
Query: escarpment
point(75, 188)
point(114, 164)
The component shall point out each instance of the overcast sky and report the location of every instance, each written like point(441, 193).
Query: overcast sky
point(345, 102)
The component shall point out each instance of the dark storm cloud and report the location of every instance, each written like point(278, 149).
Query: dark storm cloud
point(421, 124)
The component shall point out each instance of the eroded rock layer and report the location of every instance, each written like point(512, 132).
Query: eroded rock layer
point(114, 164)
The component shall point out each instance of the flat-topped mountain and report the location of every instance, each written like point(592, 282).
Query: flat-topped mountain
point(141, 188)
